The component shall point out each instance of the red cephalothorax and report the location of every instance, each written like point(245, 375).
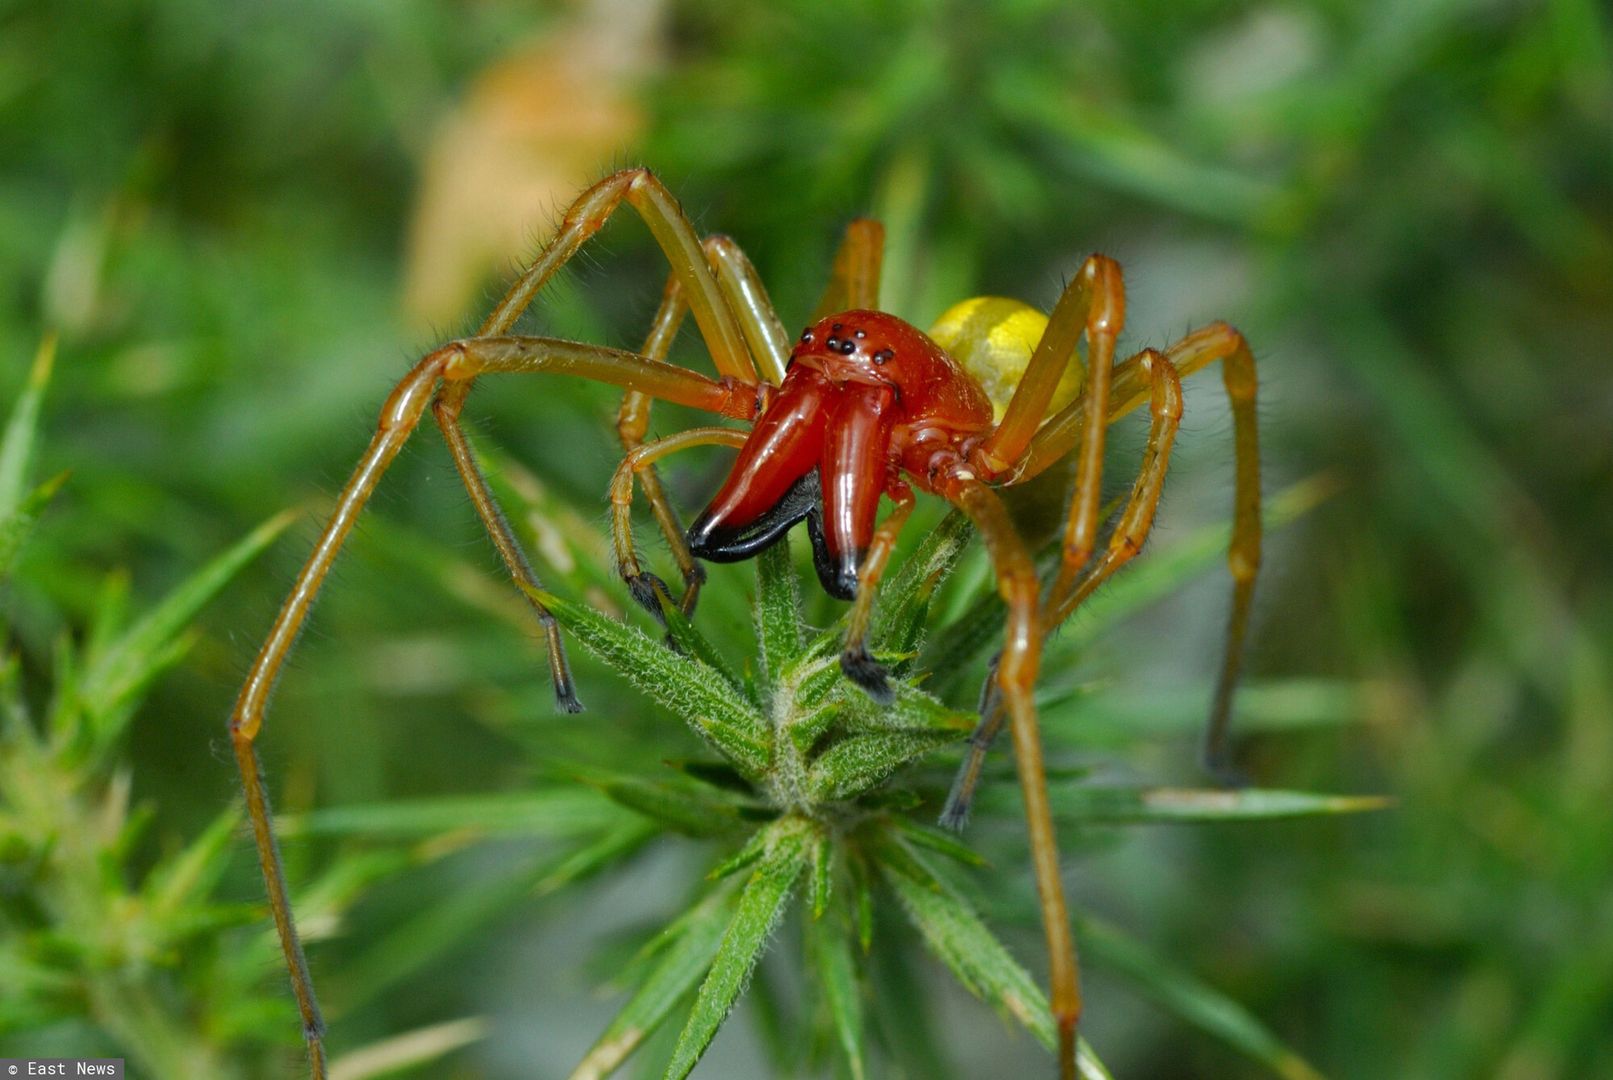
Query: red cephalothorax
point(865, 398)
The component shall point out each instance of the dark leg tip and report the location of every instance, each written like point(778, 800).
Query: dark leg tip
point(869, 674)
point(565, 700)
point(647, 590)
point(1222, 770)
point(954, 815)
point(960, 800)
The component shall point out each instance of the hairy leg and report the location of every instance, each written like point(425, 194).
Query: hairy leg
point(1128, 538)
point(1081, 533)
point(741, 288)
point(1094, 304)
point(1165, 407)
point(633, 424)
point(854, 280)
point(646, 588)
point(446, 409)
point(1207, 345)
point(642, 190)
point(399, 417)
point(1016, 676)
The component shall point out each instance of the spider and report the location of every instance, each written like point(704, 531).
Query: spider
point(863, 406)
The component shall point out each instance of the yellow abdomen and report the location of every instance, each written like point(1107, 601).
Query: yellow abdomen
point(993, 337)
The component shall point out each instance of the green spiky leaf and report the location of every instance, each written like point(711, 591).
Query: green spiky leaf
point(834, 964)
point(687, 807)
point(551, 811)
point(687, 688)
point(192, 874)
point(1091, 803)
point(436, 929)
point(901, 613)
point(823, 861)
point(962, 942)
point(761, 903)
point(778, 608)
point(15, 527)
point(683, 953)
point(22, 430)
point(858, 762)
point(115, 674)
point(695, 644)
point(940, 840)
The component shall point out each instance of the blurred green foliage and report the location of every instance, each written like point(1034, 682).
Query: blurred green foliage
point(1407, 207)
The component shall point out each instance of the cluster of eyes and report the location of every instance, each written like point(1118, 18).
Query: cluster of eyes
point(846, 346)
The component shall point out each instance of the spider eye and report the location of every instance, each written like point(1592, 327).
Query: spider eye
point(806, 337)
point(883, 355)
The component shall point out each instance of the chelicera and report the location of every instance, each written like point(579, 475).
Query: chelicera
point(863, 407)
point(866, 398)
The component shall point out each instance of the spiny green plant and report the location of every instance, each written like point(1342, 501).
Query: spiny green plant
point(105, 948)
point(93, 933)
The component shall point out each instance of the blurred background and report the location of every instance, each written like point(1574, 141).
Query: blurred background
point(244, 221)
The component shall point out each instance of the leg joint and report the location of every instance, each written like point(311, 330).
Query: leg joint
point(456, 363)
point(1244, 564)
point(1108, 311)
point(408, 399)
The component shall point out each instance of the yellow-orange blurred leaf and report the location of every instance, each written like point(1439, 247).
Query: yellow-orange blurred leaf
point(536, 127)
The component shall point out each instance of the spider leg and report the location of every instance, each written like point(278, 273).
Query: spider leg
point(1215, 342)
point(960, 799)
point(860, 667)
point(655, 204)
point(1165, 406)
point(446, 408)
point(399, 417)
point(1124, 543)
point(633, 424)
point(1081, 533)
point(742, 288)
point(642, 190)
point(1016, 676)
point(455, 364)
point(854, 279)
point(646, 588)
point(1094, 302)
point(649, 378)
point(1221, 342)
